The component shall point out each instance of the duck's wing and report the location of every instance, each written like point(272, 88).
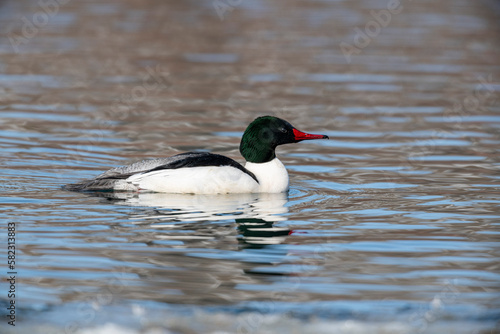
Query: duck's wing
point(107, 180)
point(143, 166)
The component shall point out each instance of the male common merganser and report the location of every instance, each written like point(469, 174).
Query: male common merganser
point(208, 173)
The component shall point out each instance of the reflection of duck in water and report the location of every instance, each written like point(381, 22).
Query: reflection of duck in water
point(208, 173)
point(179, 248)
point(255, 214)
point(256, 233)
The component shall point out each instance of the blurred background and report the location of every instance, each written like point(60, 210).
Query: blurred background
point(389, 227)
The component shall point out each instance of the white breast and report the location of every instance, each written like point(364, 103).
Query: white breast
point(272, 175)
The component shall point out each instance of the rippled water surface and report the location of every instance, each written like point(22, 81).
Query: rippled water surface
point(391, 226)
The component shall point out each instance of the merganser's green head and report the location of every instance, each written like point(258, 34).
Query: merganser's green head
point(265, 133)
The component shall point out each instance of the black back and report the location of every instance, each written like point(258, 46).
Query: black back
point(203, 159)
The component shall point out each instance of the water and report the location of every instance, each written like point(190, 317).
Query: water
point(390, 227)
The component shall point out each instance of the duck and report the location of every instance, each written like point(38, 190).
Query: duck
point(210, 173)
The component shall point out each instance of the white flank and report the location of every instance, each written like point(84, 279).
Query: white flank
point(272, 176)
point(195, 180)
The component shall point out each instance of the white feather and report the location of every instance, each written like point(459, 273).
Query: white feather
point(195, 180)
point(272, 176)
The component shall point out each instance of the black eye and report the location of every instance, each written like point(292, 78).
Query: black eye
point(283, 130)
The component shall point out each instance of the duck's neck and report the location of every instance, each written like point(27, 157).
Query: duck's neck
point(255, 149)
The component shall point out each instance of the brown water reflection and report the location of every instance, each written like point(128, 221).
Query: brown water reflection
point(394, 220)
